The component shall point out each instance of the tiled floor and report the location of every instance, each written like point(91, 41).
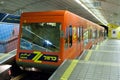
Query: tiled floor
point(102, 62)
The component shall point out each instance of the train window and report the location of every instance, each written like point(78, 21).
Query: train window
point(101, 33)
point(70, 36)
point(96, 34)
point(93, 34)
point(85, 35)
point(79, 34)
point(66, 38)
point(41, 36)
point(90, 34)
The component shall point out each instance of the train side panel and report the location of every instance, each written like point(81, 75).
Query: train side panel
point(73, 46)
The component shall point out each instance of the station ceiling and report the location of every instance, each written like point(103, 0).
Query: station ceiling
point(108, 8)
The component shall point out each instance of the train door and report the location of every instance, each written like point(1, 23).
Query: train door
point(90, 34)
point(80, 35)
point(85, 35)
point(114, 33)
point(68, 37)
point(94, 35)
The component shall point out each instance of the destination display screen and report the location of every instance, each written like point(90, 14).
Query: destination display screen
point(38, 57)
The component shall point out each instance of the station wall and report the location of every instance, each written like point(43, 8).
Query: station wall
point(8, 36)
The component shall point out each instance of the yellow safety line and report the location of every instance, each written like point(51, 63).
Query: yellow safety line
point(88, 55)
point(97, 47)
point(69, 70)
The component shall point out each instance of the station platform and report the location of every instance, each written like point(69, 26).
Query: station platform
point(101, 62)
point(4, 72)
point(7, 57)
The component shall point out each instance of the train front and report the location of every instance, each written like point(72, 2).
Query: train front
point(39, 46)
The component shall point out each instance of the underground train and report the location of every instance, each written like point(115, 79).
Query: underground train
point(48, 38)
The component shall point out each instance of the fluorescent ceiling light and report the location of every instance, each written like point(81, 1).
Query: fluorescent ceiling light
point(92, 10)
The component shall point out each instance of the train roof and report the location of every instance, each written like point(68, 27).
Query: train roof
point(51, 13)
point(58, 13)
point(54, 12)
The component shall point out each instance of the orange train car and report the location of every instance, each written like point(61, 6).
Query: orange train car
point(92, 34)
point(47, 38)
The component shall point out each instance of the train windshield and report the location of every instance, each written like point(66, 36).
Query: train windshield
point(40, 36)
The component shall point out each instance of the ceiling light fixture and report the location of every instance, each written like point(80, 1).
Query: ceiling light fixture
point(92, 10)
